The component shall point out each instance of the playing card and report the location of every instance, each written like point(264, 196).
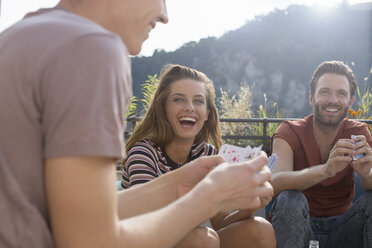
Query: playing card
point(235, 154)
point(272, 162)
point(358, 156)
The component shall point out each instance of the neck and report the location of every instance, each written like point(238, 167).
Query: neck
point(178, 151)
point(325, 129)
point(324, 134)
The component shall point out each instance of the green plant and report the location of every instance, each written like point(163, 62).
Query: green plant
point(231, 107)
point(239, 107)
point(364, 104)
point(148, 91)
point(265, 112)
point(132, 107)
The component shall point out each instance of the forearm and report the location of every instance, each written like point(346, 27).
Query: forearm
point(298, 180)
point(167, 226)
point(148, 197)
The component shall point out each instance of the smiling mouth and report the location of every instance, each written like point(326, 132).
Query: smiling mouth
point(331, 110)
point(187, 121)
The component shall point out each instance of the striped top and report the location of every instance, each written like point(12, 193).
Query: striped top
point(146, 161)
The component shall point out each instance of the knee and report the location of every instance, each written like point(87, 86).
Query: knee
point(290, 202)
point(264, 233)
point(204, 237)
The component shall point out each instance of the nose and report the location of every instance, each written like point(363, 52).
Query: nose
point(164, 14)
point(333, 98)
point(189, 106)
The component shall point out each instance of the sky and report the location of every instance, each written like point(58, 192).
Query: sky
point(189, 20)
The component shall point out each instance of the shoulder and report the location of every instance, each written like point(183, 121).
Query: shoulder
point(145, 147)
point(294, 126)
point(352, 127)
point(62, 33)
point(203, 149)
point(352, 124)
point(143, 152)
point(293, 131)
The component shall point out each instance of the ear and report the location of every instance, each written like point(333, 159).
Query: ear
point(311, 99)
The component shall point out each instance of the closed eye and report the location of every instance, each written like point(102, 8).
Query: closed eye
point(177, 99)
point(199, 101)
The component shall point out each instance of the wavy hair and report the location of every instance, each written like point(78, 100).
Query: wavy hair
point(155, 126)
point(336, 67)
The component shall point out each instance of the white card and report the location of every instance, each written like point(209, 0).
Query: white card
point(272, 162)
point(235, 154)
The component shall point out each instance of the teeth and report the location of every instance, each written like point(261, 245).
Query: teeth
point(331, 110)
point(187, 119)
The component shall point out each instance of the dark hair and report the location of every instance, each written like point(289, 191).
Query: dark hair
point(155, 126)
point(336, 67)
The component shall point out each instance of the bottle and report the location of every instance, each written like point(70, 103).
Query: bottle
point(314, 244)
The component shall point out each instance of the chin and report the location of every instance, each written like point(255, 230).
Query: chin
point(134, 47)
point(135, 51)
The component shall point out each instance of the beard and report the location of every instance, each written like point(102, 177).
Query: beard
point(323, 120)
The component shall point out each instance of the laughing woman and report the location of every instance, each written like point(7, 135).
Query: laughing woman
point(181, 125)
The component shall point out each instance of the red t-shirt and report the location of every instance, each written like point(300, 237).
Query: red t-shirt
point(332, 196)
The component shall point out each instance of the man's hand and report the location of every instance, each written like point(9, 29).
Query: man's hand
point(239, 186)
point(363, 165)
point(192, 173)
point(340, 157)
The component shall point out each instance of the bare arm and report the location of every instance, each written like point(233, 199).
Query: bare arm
point(83, 208)
point(284, 178)
point(82, 201)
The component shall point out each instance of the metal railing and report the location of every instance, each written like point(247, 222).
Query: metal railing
point(264, 136)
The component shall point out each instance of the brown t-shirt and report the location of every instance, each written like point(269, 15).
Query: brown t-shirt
point(334, 195)
point(65, 85)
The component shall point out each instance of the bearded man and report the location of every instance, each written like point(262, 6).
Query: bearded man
point(317, 158)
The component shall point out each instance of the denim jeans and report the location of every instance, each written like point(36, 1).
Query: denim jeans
point(294, 227)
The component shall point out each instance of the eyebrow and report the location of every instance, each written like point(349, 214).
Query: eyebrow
point(326, 88)
point(180, 94)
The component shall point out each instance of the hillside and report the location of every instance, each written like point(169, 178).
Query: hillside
point(277, 53)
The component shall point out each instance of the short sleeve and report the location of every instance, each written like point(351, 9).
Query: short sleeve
point(86, 88)
point(286, 133)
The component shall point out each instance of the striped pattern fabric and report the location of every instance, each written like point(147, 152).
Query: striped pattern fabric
point(146, 161)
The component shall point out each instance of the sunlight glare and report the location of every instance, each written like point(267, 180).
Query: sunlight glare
point(326, 4)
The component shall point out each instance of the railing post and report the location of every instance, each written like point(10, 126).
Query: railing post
point(265, 121)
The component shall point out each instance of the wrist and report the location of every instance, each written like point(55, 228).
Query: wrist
point(206, 194)
point(324, 172)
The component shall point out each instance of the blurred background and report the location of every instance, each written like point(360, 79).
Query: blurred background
point(270, 46)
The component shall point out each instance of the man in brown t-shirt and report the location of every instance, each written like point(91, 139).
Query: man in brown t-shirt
point(317, 159)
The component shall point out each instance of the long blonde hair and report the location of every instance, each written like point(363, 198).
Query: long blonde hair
point(155, 126)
